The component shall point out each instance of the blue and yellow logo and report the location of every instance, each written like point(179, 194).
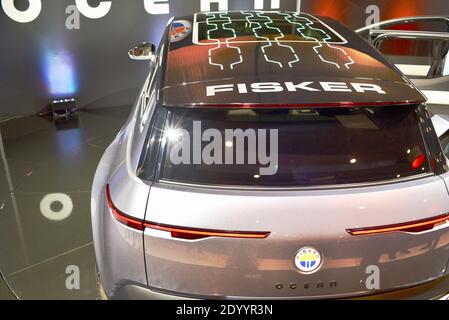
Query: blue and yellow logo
point(180, 29)
point(308, 260)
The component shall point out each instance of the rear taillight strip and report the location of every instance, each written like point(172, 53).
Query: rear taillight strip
point(122, 217)
point(412, 227)
point(179, 232)
point(194, 233)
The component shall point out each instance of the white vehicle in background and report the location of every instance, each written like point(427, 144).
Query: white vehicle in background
point(419, 47)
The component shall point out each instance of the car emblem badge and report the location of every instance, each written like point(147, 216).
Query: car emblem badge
point(180, 30)
point(308, 260)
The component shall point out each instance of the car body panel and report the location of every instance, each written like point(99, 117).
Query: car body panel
point(317, 218)
point(431, 290)
point(118, 249)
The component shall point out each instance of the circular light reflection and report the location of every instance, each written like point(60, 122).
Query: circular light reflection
point(56, 215)
point(173, 134)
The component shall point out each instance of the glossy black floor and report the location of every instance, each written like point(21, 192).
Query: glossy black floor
point(46, 172)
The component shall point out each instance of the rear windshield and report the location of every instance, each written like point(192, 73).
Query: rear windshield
point(292, 147)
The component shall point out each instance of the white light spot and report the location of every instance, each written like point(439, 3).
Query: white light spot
point(173, 134)
point(63, 213)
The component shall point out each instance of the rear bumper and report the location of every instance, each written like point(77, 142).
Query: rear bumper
point(435, 290)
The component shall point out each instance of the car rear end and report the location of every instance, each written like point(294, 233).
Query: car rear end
point(353, 183)
point(340, 171)
point(354, 177)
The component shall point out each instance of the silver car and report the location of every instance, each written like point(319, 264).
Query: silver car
point(272, 155)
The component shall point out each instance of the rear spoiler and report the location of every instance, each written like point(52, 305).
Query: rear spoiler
point(297, 105)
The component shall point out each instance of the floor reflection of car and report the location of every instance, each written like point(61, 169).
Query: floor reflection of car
point(357, 204)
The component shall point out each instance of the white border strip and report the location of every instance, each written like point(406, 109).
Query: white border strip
point(436, 97)
point(298, 5)
point(413, 69)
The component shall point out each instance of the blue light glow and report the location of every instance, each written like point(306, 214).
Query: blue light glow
point(69, 142)
point(60, 74)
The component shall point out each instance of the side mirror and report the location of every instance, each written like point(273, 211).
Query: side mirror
point(143, 51)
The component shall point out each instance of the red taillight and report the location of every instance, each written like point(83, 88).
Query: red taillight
point(194, 233)
point(179, 232)
point(121, 217)
point(414, 226)
point(418, 161)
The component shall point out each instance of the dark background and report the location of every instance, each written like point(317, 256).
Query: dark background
point(42, 60)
